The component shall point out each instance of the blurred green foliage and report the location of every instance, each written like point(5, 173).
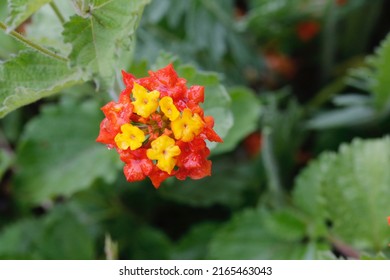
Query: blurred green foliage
point(299, 91)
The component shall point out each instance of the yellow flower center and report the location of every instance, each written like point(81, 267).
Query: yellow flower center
point(164, 150)
point(131, 136)
point(145, 102)
point(169, 109)
point(187, 126)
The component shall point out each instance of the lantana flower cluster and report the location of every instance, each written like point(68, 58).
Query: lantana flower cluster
point(158, 128)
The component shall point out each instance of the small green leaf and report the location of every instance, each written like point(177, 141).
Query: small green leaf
point(97, 32)
point(350, 190)
point(31, 76)
point(246, 113)
point(58, 154)
point(256, 234)
point(20, 10)
point(381, 86)
point(373, 77)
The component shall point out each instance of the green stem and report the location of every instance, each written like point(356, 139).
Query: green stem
point(31, 44)
point(272, 170)
point(57, 12)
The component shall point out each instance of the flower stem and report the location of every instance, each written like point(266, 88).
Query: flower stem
point(57, 12)
point(31, 44)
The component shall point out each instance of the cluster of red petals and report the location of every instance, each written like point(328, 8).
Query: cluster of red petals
point(192, 161)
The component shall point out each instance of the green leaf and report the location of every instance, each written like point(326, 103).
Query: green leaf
point(350, 189)
point(150, 243)
point(30, 76)
point(374, 76)
point(64, 237)
point(18, 240)
point(194, 245)
point(256, 234)
point(58, 154)
point(230, 182)
point(38, 32)
point(246, 111)
point(381, 84)
point(349, 116)
point(96, 33)
point(58, 235)
point(6, 160)
point(20, 10)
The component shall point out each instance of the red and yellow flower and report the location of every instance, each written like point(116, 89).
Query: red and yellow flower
point(158, 128)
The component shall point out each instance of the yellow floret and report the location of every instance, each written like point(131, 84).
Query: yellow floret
point(131, 136)
point(187, 126)
point(164, 150)
point(169, 109)
point(145, 102)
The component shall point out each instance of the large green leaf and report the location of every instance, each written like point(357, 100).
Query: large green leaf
point(256, 234)
point(20, 10)
point(59, 235)
point(31, 76)
point(96, 33)
point(350, 189)
point(58, 154)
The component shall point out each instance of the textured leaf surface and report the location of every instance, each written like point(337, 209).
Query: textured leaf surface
point(255, 234)
point(350, 189)
point(58, 154)
point(20, 10)
point(97, 31)
point(31, 76)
